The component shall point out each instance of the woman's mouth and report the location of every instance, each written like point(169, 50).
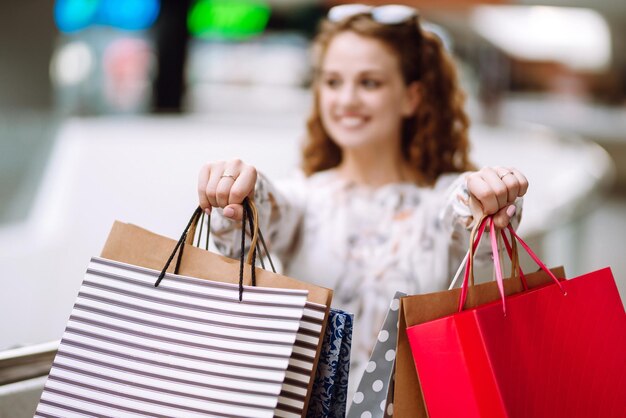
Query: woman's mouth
point(352, 122)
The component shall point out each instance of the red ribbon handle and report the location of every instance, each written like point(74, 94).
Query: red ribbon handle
point(536, 258)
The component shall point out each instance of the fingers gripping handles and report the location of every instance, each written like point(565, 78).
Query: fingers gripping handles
point(250, 216)
point(478, 231)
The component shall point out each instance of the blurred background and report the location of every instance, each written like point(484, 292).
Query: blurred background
point(109, 107)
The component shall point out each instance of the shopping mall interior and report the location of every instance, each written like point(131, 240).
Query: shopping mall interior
point(109, 108)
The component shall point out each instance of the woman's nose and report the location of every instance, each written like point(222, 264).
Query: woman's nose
point(348, 94)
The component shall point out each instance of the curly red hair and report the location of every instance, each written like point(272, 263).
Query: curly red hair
point(435, 140)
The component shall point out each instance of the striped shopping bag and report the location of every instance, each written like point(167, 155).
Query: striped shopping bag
point(193, 346)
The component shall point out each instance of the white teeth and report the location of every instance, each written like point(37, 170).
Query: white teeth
point(351, 121)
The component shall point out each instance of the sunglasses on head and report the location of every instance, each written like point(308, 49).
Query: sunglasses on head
point(390, 14)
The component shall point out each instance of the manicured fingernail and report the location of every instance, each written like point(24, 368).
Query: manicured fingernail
point(511, 211)
point(229, 212)
point(207, 211)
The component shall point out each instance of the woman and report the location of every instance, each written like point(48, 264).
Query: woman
point(386, 194)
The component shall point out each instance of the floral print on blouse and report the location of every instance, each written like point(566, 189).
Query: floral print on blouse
point(364, 243)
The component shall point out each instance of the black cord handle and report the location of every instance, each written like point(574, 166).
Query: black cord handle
point(198, 215)
point(248, 212)
point(241, 257)
point(180, 243)
point(207, 233)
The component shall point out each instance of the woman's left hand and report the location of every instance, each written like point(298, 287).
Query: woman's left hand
point(493, 191)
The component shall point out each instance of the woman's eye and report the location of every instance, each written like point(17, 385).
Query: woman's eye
point(369, 83)
point(332, 82)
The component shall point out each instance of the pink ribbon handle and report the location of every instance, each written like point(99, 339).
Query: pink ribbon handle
point(496, 263)
point(496, 259)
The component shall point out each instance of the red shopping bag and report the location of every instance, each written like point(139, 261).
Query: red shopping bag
point(558, 351)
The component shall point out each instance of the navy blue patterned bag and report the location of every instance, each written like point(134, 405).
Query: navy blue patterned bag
point(330, 388)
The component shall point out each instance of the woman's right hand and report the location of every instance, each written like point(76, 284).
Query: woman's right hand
point(225, 184)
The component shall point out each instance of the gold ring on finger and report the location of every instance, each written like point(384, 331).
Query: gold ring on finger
point(505, 174)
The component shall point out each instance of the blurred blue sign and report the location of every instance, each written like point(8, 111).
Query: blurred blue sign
point(74, 15)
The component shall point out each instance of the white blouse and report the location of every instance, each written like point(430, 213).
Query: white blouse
point(364, 243)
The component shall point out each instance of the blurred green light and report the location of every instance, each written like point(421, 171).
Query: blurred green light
point(228, 19)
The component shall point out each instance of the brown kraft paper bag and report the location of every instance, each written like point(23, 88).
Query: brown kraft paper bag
point(418, 309)
point(134, 245)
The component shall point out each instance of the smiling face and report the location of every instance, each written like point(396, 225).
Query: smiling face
point(362, 95)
